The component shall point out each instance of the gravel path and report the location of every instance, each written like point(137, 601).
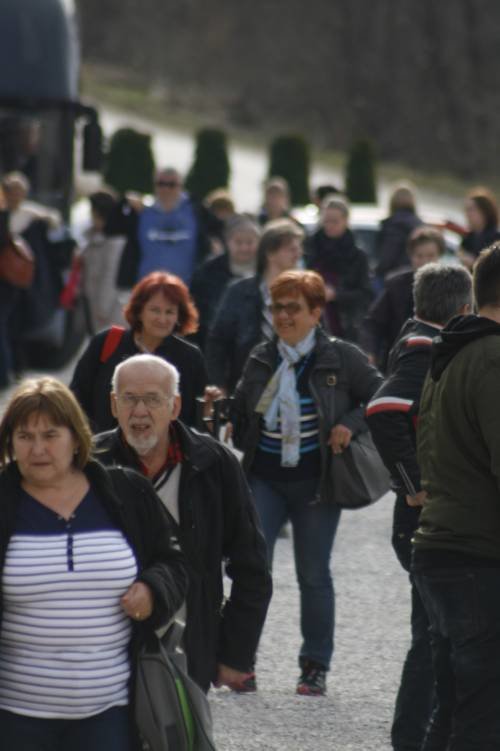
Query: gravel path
point(372, 635)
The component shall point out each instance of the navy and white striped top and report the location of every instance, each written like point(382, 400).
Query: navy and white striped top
point(64, 637)
point(267, 462)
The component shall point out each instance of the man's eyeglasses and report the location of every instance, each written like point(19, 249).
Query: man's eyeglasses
point(290, 308)
point(150, 401)
point(167, 184)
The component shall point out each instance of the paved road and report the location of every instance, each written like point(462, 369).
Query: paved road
point(371, 641)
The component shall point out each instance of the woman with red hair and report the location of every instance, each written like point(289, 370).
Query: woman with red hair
point(159, 313)
point(300, 400)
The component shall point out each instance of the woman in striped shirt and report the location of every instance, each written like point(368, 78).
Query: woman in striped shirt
point(87, 568)
point(299, 399)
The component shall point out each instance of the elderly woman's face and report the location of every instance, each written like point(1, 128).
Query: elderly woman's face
point(242, 246)
point(334, 222)
point(292, 318)
point(159, 316)
point(44, 451)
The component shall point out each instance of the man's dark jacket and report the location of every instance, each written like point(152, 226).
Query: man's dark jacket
point(207, 287)
point(217, 525)
point(386, 316)
point(393, 410)
point(91, 382)
point(392, 240)
point(458, 445)
point(235, 331)
point(137, 512)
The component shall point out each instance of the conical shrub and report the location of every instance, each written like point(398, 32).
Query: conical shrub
point(130, 163)
point(210, 168)
point(289, 157)
point(360, 180)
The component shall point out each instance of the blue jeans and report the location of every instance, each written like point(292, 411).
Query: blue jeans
point(314, 526)
point(463, 605)
point(416, 689)
point(107, 731)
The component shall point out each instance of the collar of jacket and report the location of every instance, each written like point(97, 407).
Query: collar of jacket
point(199, 449)
point(326, 349)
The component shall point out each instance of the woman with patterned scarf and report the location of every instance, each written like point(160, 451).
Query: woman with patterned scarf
point(301, 398)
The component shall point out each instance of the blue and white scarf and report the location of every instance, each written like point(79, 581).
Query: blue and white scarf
point(280, 397)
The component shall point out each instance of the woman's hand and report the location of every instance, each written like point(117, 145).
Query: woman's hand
point(137, 602)
point(340, 438)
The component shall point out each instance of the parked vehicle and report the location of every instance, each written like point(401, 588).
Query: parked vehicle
point(42, 125)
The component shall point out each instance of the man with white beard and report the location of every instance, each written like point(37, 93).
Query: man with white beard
point(202, 486)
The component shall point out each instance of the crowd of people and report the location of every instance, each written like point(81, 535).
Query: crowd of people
point(124, 508)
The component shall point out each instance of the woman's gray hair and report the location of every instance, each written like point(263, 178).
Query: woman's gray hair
point(150, 362)
point(440, 292)
point(336, 202)
point(241, 223)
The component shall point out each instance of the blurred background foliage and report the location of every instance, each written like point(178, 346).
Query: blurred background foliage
point(416, 78)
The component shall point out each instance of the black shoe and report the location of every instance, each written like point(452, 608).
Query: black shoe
point(312, 681)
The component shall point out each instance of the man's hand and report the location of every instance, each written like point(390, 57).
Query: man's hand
point(416, 500)
point(137, 602)
point(211, 394)
point(228, 432)
point(227, 676)
point(331, 293)
point(134, 200)
point(340, 438)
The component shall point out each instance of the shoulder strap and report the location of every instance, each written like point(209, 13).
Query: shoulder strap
point(111, 342)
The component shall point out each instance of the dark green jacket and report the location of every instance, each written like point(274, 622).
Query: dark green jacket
point(459, 441)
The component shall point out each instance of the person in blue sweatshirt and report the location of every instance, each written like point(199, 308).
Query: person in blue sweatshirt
point(168, 235)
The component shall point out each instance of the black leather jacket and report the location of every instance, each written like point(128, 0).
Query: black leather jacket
point(217, 525)
point(235, 330)
point(341, 382)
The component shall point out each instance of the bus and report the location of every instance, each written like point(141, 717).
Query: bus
point(47, 133)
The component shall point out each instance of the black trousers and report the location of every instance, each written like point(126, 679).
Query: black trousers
point(463, 605)
point(415, 695)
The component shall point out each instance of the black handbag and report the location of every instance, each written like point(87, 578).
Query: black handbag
point(172, 712)
point(358, 474)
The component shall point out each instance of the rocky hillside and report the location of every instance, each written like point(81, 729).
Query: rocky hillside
point(419, 77)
